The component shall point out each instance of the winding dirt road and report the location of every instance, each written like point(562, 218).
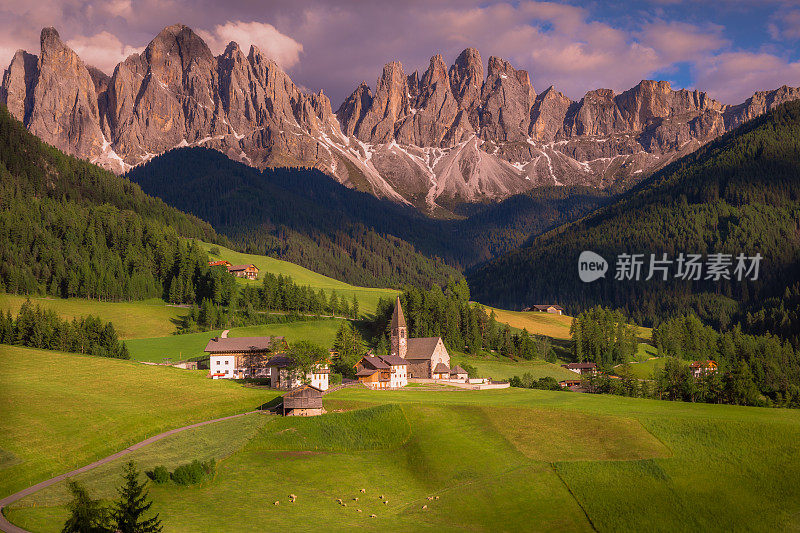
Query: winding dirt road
point(8, 527)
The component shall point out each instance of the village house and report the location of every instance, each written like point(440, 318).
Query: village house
point(382, 371)
point(283, 376)
point(582, 368)
point(221, 262)
point(545, 308)
point(244, 271)
point(241, 357)
point(303, 401)
point(702, 368)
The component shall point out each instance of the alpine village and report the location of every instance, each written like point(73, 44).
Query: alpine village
point(441, 300)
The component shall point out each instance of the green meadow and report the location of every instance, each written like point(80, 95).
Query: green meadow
point(496, 460)
point(63, 411)
point(502, 368)
point(190, 346)
point(132, 320)
point(367, 296)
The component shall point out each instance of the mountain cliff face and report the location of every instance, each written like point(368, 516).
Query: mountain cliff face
point(448, 136)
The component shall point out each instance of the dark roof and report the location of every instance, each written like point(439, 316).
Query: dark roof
point(580, 365)
point(242, 344)
point(393, 360)
point(441, 368)
point(241, 267)
point(374, 362)
point(305, 397)
point(398, 320)
point(542, 307)
point(365, 372)
point(457, 370)
point(421, 348)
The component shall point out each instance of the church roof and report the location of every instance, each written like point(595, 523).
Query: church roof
point(398, 320)
point(421, 348)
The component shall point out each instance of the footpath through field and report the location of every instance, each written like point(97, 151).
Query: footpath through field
point(8, 527)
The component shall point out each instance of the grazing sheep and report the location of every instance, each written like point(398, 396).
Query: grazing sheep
point(344, 505)
point(430, 498)
point(276, 503)
point(339, 501)
point(363, 490)
point(373, 516)
point(385, 502)
point(355, 499)
point(359, 510)
point(380, 497)
point(436, 498)
point(424, 507)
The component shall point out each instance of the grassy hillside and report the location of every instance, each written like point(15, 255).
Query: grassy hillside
point(64, 411)
point(132, 320)
point(492, 460)
point(367, 296)
point(738, 194)
point(190, 346)
point(501, 368)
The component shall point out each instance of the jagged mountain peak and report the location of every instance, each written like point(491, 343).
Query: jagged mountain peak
point(456, 133)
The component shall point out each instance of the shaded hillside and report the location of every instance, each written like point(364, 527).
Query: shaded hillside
point(70, 228)
point(739, 194)
point(302, 215)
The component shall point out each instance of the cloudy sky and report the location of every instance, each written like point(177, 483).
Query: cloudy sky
point(729, 48)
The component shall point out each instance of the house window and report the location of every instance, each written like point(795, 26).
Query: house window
point(226, 361)
point(218, 362)
point(226, 372)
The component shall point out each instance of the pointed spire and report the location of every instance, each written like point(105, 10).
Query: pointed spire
point(398, 320)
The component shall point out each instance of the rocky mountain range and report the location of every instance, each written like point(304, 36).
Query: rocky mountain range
point(448, 136)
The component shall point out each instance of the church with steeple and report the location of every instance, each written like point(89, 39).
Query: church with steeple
point(427, 357)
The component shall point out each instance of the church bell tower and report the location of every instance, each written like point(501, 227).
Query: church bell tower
point(399, 341)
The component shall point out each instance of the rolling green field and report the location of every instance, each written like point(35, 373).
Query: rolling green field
point(503, 368)
point(132, 320)
point(190, 346)
point(367, 297)
point(645, 369)
point(508, 459)
point(64, 411)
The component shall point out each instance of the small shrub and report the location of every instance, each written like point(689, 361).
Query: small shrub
point(194, 472)
point(335, 379)
point(214, 251)
point(159, 474)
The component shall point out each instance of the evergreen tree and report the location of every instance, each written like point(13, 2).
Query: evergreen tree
point(129, 510)
point(87, 515)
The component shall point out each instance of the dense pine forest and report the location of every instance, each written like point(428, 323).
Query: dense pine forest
point(464, 326)
point(303, 216)
point(69, 228)
point(738, 194)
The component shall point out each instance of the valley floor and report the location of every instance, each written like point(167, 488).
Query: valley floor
point(502, 460)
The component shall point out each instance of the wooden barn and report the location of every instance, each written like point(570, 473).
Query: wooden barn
point(303, 401)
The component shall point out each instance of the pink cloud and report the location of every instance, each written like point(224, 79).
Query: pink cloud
point(102, 50)
point(284, 50)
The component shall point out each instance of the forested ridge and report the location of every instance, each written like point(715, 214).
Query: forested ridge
point(69, 228)
point(738, 194)
point(303, 216)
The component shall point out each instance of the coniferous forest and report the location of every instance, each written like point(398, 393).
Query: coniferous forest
point(738, 194)
point(69, 228)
